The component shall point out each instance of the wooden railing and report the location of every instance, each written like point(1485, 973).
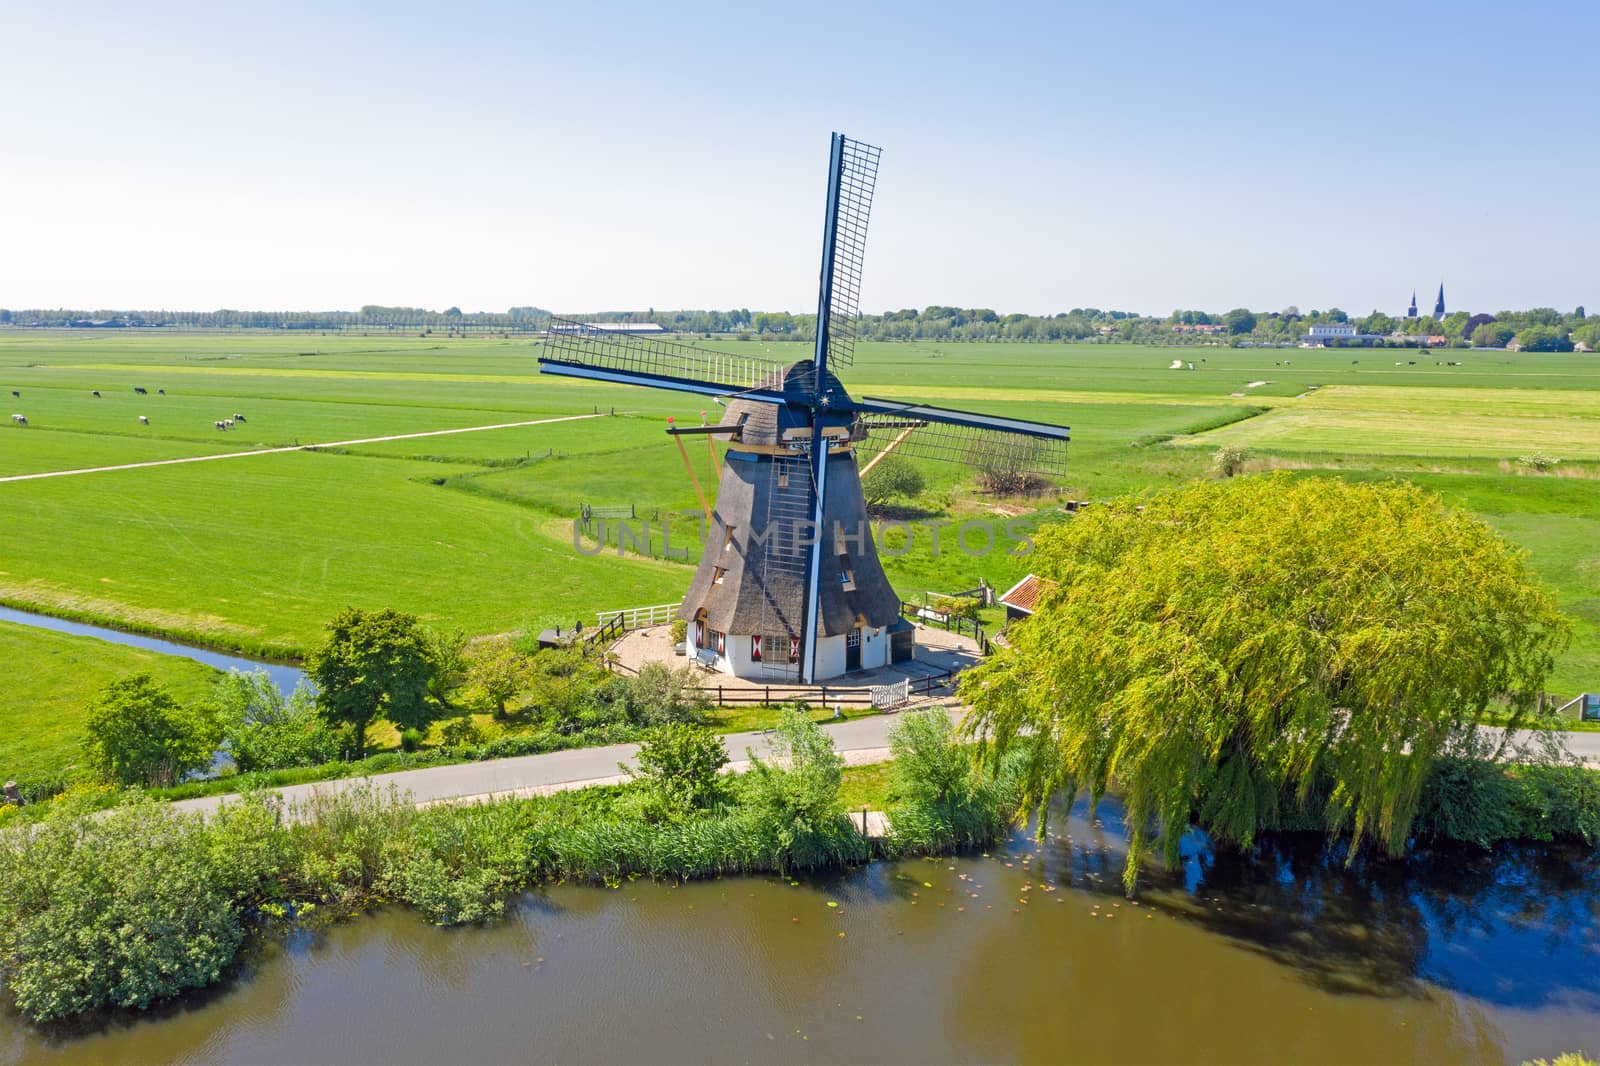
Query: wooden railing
point(966, 627)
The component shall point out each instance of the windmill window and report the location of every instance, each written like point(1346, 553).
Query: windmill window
point(847, 576)
point(727, 538)
point(783, 474)
point(716, 577)
point(755, 649)
point(794, 649)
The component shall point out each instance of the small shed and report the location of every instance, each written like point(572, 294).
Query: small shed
point(1020, 599)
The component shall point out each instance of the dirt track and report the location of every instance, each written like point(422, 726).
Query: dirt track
point(290, 448)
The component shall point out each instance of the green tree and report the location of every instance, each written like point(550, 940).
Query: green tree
point(891, 477)
point(1493, 335)
point(681, 766)
point(138, 734)
point(264, 730)
point(1378, 323)
point(496, 672)
point(374, 664)
point(1240, 320)
point(1241, 644)
point(1543, 339)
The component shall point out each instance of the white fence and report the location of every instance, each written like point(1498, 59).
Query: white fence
point(888, 697)
point(638, 617)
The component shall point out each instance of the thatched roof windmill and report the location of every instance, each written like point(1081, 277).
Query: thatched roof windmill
point(789, 583)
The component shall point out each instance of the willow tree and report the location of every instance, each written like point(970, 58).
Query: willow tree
point(1231, 650)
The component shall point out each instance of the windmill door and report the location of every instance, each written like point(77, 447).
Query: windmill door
point(852, 649)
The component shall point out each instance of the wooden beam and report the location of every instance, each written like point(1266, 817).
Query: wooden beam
point(892, 446)
point(693, 477)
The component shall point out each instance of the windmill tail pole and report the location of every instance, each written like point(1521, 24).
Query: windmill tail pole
point(694, 479)
point(876, 459)
point(711, 449)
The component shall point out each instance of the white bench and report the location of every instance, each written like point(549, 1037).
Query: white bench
point(706, 658)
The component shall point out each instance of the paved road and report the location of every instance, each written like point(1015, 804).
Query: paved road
point(860, 741)
point(290, 448)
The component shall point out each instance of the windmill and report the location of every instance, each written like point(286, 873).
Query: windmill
point(789, 583)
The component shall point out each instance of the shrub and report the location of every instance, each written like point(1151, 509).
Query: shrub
point(1229, 459)
point(411, 740)
point(660, 695)
point(495, 673)
point(680, 766)
point(679, 631)
point(264, 731)
point(127, 908)
point(461, 732)
point(891, 477)
point(140, 735)
point(940, 800)
point(1538, 461)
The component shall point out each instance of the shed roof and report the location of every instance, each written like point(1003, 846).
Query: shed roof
point(1024, 595)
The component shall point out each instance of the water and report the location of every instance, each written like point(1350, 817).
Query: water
point(1285, 957)
point(285, 677)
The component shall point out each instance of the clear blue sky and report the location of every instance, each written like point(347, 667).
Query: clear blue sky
point(580, 157)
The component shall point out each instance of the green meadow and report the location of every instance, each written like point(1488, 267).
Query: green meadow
point(475, 530)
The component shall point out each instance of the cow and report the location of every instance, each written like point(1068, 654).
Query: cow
point(16, 394)
point(161, 392)
point(139, 392)
point(95, 394)
point(238, 418)
point(219, 425)
point(228, 422)
point(143, 421)
point(19, 420)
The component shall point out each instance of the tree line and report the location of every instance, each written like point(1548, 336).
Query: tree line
point(1535, 329)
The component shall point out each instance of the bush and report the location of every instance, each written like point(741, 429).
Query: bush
point(266, 732)
point(411, 740)
point(940, 801)
point(140, 735)
point(461, 732)
point(679, 631)
point(891, 477)
point(680, 766)
point(1229, 459)
point(127, 908)
point(660, 695)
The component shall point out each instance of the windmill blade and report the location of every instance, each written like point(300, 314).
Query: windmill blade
point(848, 211)
point(589, 350)
point(1009, 451)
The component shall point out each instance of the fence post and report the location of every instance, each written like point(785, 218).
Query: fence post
point(767, 695)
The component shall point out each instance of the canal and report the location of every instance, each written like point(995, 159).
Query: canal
point(1028, 954)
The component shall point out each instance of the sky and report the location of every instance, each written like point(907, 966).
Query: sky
point(581, 157)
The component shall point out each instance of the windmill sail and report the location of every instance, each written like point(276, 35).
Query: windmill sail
point(589, 350)
point(849, 208)
point(1008, 451)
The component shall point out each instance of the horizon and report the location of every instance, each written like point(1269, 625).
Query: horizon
point(1034, 160)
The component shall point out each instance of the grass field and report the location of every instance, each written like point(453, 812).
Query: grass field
point(47, 680)
point(475, 529)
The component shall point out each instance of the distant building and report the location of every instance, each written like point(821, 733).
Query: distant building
point(1411, 312)
point(1323, 331)
point(630, 328)
point(1438, 305)
point(1208, 328)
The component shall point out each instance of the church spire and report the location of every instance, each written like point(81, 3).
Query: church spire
point(1438, 305)
point(1411, 312)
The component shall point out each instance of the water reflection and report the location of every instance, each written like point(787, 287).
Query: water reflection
point(1028, 954)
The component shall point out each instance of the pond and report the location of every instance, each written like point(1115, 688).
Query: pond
point(284, 676)
point(1029, 954)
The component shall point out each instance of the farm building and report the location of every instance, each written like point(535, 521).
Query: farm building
point(1020, 599)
